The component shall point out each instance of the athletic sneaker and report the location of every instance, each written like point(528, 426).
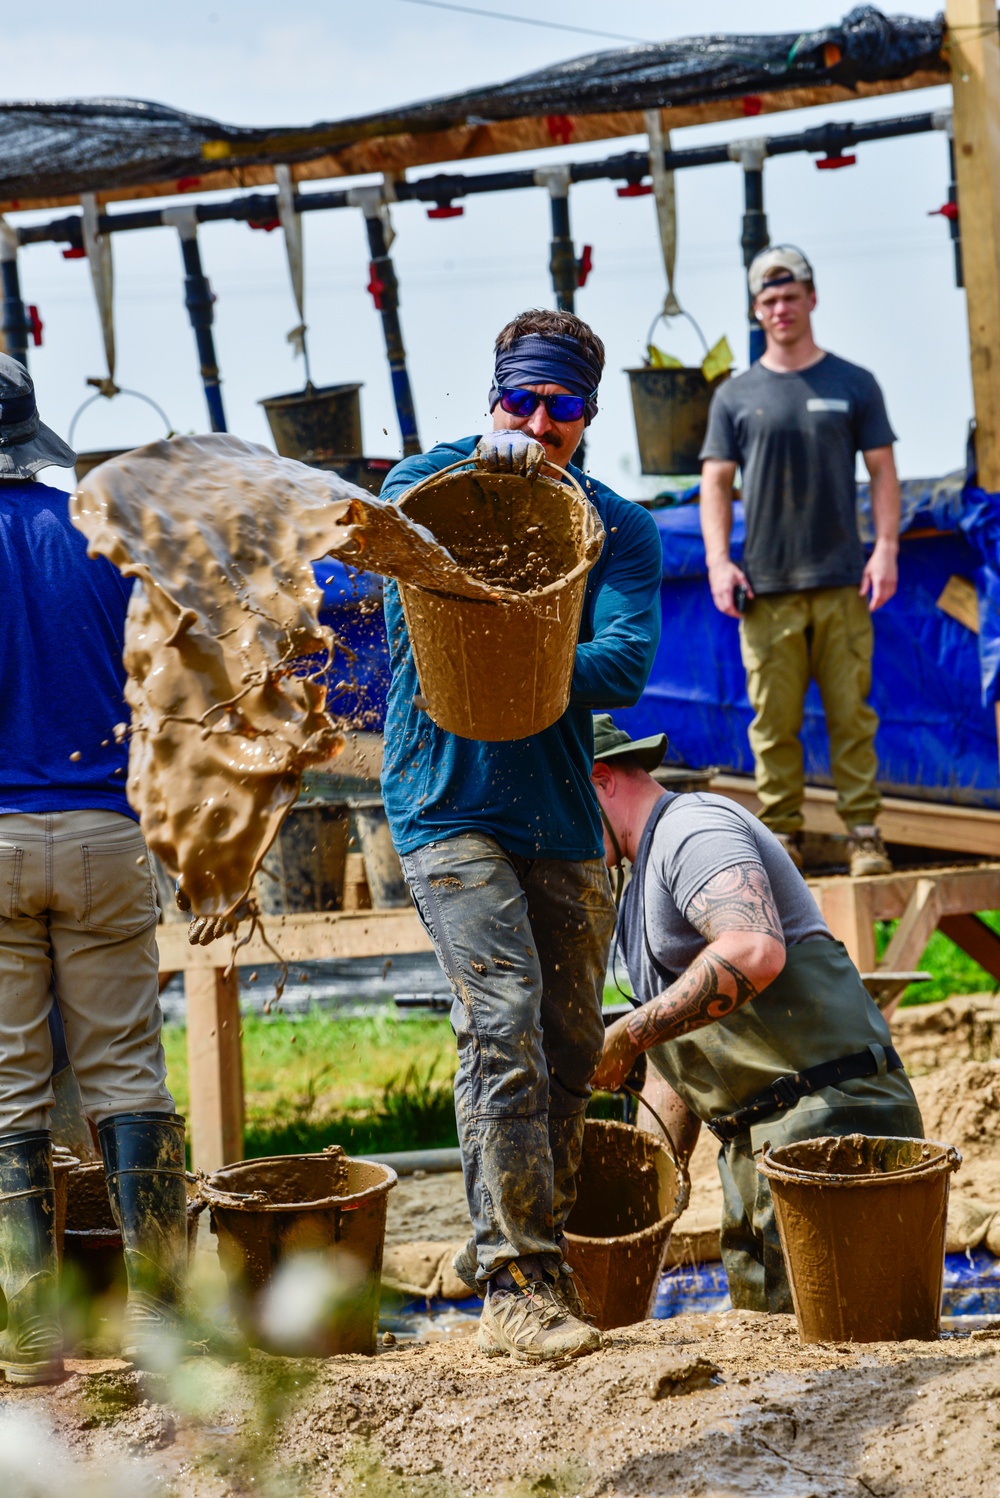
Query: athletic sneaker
point(530, 1322)
point(868, 855)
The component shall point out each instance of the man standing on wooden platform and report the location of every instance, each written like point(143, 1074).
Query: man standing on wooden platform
point(794, 423)
point(501, 846)
point(78, 912)
point(754, 1018)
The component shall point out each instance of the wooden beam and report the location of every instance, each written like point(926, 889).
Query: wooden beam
point(846, 906)
point(394, 153)
point(215, 1068)
point(973, 47)
point(923, 824)
point(300, 938)
point(977, 939)
point(916, 926)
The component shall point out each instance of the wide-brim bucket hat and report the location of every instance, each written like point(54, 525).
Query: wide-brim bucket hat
point(26, 443)
point(612, 742)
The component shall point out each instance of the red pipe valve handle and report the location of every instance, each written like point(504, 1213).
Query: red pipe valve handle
point(35, 322)
point(446, 210)
point(635, 190)
point(584, 265)
point(947, 210)
point(375, 286)
point(834, 163)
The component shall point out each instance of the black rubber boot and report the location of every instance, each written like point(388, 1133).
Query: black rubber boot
point(144, 1165)
point(31, 1347)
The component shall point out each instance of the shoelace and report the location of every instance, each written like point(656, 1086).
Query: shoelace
point(525, 1300)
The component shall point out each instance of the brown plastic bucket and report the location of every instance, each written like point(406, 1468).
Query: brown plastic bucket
point(862, 1222)
point(629, 1194)
point(500, 669)
point(92, 1242)
point(267, 1212)
point(670, 407)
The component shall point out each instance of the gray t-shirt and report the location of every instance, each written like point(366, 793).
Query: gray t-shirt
point(698, 836)
point(796, 437)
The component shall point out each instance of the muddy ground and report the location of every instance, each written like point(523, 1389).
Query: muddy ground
point(709, 1406)
point(701, 1405)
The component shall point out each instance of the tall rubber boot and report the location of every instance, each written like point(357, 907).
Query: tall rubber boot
point(144, 1165)
point(31, 1346)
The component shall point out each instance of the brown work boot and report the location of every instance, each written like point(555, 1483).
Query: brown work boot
point(868, 855)
point(792, 844)
point(528, 1321)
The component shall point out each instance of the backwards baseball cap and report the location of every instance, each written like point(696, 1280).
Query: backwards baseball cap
point(776, 266)
point(612, 742)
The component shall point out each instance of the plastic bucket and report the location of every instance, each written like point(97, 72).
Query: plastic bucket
point(383, 869)
point(316, 425)
point(267, 1212)
point(862, 1223)
point(92, 1243)
point(86, 461)
point(670, 407)
point(500, 669)
point(629, 1194)
point(63, 1166)
point(304, 867)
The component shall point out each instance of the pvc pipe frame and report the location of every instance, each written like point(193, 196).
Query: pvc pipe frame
point(833, 139)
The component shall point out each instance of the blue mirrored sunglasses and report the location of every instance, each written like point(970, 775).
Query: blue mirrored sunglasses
point(560, 407)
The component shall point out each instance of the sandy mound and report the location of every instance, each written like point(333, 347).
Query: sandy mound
point(701, 1405)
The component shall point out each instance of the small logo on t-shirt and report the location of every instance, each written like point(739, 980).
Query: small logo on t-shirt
point(818, 404)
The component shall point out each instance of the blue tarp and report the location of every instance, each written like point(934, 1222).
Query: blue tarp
point(936, 741)
point(932, 675)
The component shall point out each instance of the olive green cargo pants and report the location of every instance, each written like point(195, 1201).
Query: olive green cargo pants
point(786, 639)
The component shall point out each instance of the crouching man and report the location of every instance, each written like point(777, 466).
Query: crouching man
point(751, 1012)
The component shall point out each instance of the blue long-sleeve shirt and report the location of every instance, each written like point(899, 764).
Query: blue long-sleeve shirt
point(533, 795)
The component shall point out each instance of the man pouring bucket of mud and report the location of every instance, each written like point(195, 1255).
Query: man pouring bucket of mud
point(754, 1018)
point(77, 912)
point(501, 846)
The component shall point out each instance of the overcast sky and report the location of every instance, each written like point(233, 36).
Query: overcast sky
point(884, 267)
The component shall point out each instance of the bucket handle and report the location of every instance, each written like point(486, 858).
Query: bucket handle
point(464, 462)
point(665, 316)
point(99, 395)
point(683, 1174)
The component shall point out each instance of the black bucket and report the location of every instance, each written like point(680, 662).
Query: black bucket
point(671, 417)
point(304, 867)
point(316, 425)
point(86, 461)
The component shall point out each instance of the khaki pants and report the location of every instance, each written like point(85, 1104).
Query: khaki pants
point(78, 916)
point(787, 638)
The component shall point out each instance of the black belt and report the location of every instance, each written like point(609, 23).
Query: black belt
point(786, 1091)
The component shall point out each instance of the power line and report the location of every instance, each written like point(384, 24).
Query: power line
point(497, 15)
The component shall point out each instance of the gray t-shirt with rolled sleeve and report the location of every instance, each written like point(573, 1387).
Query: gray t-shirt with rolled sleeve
point(796, 437)
point(698, 836)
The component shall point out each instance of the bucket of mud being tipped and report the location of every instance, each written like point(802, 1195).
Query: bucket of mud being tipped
point(499, 668)
point(629, 1194)
point(316, 425)
point(862, 1222)
point(300, 1241)
point(670, 407)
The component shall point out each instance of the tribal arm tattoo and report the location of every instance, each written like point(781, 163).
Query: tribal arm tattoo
point(737, 900)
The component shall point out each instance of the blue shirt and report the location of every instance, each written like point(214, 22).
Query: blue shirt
point(533, 795)
point(62, 626)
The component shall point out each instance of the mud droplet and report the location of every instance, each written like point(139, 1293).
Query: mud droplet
point(76, 755)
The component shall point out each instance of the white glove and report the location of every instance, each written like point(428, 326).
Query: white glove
point(509, 451)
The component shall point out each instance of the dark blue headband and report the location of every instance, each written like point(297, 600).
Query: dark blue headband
point(556, 360)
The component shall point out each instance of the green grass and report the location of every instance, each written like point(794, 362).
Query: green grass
point(377, 1083)
point(954, 971)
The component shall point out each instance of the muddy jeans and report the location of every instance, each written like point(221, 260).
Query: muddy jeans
point(524, 944)
point(787, 638)
point(78, 914)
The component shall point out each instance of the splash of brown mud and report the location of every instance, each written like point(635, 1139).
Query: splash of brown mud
point(223, 644)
